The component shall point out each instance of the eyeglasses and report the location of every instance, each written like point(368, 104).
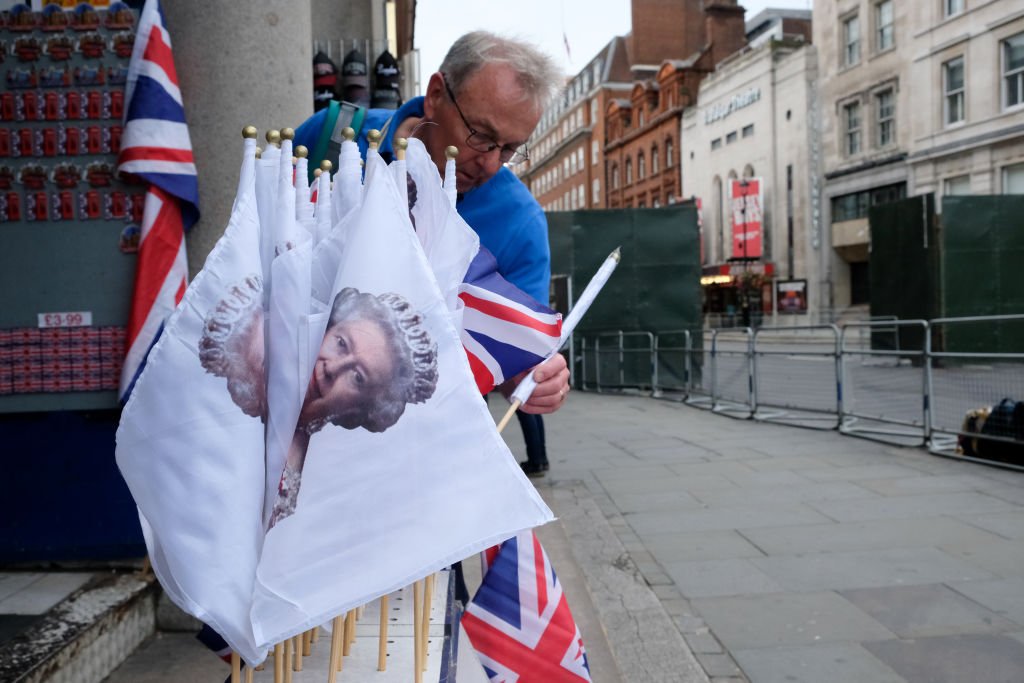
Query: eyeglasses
point(481, 142)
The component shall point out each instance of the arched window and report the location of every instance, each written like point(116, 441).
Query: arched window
point(629, 171)
point(615, 176)
point(654, 160)
point(641, 166)
point(670, 152)
point(748, 171)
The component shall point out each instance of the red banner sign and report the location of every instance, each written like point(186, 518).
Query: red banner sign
point(746, 200)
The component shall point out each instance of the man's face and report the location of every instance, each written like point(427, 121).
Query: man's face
point(353, 365)
point(494, 105)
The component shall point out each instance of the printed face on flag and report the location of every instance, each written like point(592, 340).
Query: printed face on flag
point(376, 357)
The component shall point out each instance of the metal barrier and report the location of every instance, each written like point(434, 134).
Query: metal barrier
point(963, 384)
point(796, 375)
point(883, 383)
point(626, 368)
point(732, 370)
point(910, 382)
point(672, 364)
point(700, 361)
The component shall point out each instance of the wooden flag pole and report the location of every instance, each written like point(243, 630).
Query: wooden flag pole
point(236, 668)
point(382, 638)
point(279, 663)
point(508, 415)
point(297, 643)
point(307, 642)
point(417, 631)
point(428, 594)
point(286, 661)
point(337, 627)
point(350, 631)
point(248, 674)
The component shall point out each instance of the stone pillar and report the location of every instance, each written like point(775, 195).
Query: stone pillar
point(238, 63)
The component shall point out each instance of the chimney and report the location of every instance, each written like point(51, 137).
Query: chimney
point(666, 29)
point(726, 32)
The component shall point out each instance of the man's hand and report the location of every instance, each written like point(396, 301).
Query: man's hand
point(552, 379)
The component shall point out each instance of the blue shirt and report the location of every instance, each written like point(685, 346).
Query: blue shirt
point(502, 211)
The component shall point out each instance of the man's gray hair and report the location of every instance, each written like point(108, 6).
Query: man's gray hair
point(538, 74)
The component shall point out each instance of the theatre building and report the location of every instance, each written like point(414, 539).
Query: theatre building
point(751, 159)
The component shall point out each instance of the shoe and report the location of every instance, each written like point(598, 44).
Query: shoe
point(534, 470)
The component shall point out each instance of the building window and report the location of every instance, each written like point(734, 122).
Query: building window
point(961, 184)
point(572, 163)
point(655, 203)
point(855, 205)
point(579, 159)
point(953, 91)
point(640, 116)
point(670, 198)
point(1013, 71)
point(716, 143)
point(1013, 179)
point(595, 192)
point(641, 166)
point(748, 130)
point(593, 111)
point(953, 7)
point(851, 128)
point(581, 193)
point(629, 171)
point(565, 167)
point(669, 153)
point(655, 161)
point(883, 23)
point(730, 138)
point(594, 153)
point(615, 176)
point(886, 111)
point(851, 40)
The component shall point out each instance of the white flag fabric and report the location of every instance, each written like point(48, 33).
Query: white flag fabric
point(192, 458)
point(383, 463)
point(416, 477)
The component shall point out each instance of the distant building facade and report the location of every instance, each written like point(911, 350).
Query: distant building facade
point(754, 124)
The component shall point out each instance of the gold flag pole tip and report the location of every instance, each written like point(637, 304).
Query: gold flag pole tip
point(274, 137)
point(349, 133)
point(250, 132)
point(617, 255)
point(451, 151)
point(301, 152)
point(287, 133)
point(259, 152)
point(318, 172)
point(373, 137)
point(326, 166)
point(401, 144)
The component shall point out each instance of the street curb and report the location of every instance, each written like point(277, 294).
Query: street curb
point(86, 636)
point(644, 641)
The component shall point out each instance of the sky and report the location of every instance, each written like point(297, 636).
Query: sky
point(587, 25)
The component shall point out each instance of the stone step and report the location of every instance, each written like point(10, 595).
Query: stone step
point(87, 635)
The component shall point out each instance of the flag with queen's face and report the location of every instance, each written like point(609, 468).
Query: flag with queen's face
point(393, 469)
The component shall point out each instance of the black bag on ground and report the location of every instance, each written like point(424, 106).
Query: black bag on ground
point(1005, 423)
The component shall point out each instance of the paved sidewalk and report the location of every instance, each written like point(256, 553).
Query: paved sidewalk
point(788, 554)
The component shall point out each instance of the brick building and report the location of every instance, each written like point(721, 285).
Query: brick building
point(612, 139)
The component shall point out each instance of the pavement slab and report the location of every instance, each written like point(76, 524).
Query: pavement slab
point(1003, 596)
point(832, 662)
point(921, 611)
point(992, 658)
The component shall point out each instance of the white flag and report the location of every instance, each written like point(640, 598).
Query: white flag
point(398, 470)
point(190, 444)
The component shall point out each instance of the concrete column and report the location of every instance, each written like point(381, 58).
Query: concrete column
point(238, 63)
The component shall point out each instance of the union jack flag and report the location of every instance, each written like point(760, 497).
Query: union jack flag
point(504, 330)
point(519, 622)
point(156, 148)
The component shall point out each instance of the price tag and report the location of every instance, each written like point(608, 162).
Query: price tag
point(66, 319)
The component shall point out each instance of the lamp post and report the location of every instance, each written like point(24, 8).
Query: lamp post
point(744, 293)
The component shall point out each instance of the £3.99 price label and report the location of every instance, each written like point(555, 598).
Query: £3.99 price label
point(66, 319)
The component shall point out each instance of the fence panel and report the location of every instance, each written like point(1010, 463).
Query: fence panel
point(884, 386)
point(966, 384)
point(622, 360)
point(699, 388)
point(732, 387)
point(796, 375)
point(671, 363)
